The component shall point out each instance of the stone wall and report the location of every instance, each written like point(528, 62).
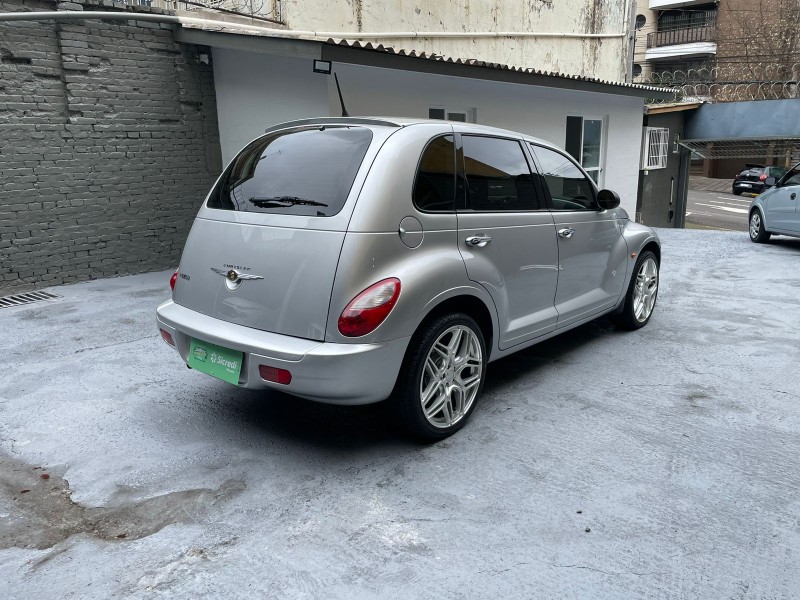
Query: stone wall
point(108, 145)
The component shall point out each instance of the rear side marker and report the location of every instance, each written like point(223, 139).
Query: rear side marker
point(167, 337)
point(275, 375)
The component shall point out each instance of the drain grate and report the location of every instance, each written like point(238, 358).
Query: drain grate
point(30, 297)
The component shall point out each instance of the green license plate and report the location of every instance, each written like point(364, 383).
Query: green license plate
point(216, 361)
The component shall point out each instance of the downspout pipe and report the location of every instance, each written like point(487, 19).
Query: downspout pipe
point(77, 15)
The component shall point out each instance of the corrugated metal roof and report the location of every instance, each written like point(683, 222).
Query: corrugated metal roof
point(744, 147)
point(254, 33)
point(497, 66)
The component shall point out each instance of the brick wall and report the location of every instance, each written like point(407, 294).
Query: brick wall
point(108, 145)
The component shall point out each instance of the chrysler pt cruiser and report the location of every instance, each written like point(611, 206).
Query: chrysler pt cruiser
point(351, 260)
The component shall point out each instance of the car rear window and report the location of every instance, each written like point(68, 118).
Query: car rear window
point(306, 172)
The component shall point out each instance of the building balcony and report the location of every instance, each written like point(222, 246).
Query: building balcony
point(685, 42)
point(665, 4)
point(685, 35)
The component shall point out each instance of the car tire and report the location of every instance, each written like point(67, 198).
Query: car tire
point(737, 192)
point(758, 234)
point(441, 378)
point(641, 295)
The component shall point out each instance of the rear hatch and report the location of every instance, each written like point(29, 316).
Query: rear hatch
point(752, 174)
point(264, 248)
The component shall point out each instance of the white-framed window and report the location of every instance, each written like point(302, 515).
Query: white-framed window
point(449, 113)
point(585, 142)
point(655, 148)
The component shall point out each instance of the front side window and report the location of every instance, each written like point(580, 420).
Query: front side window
point(569, 188)
point(777, 172)
point(791, 178)
point(435, 184)
point(498, 176)
point(306, 172)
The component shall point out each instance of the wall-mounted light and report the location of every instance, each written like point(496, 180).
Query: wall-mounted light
point(322, 66)
point(203, 58)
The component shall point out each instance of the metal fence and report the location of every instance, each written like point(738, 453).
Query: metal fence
point(672, 37)
point(729, 83)
point(684, 28)
point(262, 10)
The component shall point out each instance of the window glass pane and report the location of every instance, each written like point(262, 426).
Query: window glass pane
point(436, 113)
point(573, 142)
point(454, 116)
point(498, 176)
point(592, 131)
point(792, 179)
point(435, 184)
point(299, 172)
point(569, 188)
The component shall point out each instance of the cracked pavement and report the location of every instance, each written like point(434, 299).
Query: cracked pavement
point(599, 464)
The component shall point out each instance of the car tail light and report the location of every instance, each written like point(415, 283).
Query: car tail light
point(762, 177)
point(173, 280)
point(167, 337)
point(370, 308)
point(275, 375)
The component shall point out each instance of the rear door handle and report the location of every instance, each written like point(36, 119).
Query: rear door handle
point(566, 232)
point(478, 240)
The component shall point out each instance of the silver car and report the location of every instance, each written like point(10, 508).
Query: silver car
point(776, 210)
point(351, 260)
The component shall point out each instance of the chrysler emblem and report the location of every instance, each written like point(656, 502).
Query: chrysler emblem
point(233, 279)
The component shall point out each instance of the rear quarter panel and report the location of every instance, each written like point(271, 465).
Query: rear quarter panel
point(373, 249)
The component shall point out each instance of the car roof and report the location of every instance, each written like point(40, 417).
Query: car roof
point(409, 122)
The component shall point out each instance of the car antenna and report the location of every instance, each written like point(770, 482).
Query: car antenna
point(341, 100)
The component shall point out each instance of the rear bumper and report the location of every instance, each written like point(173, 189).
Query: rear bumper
point(321, 371)
point(749, 187)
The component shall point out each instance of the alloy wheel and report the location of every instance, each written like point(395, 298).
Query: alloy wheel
point(755, 225)
point(451, 376)
point(644, 294)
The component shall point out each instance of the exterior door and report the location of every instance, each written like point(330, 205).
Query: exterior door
point(591, 250)
point(782, 211)
point(507, 237)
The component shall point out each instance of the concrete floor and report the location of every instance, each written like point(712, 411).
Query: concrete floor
point(717, 210)
point(656, 464)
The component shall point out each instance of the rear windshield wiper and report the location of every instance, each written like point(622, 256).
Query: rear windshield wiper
point(284, 201)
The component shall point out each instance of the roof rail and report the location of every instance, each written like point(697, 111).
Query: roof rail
point(333, 121)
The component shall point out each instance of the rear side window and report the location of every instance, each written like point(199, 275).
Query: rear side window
point(299, 172)
point(435, 184)
point(498, 175)
point(569, 187)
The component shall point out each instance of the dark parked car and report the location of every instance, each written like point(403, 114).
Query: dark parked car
point(752, 178)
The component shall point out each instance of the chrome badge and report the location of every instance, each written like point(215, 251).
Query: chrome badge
point(233, 279)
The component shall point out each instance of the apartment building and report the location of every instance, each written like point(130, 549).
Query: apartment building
point(674, 35)
point(725, 51)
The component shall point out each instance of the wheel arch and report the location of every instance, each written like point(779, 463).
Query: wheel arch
point(653, 247)
point(470, 305)
point(760, 209)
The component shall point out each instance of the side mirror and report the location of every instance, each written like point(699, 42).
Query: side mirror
point(606, 199)
point(770, 181)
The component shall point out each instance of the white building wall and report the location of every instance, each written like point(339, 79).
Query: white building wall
point(255, 91)
point(250, 100)
point(601, 58)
